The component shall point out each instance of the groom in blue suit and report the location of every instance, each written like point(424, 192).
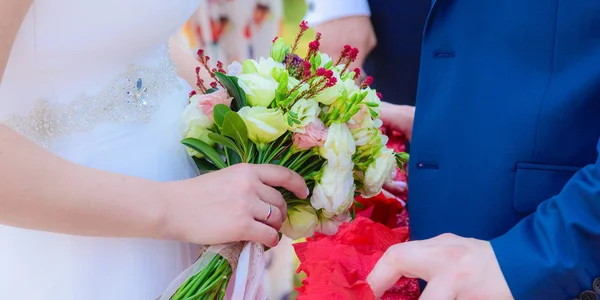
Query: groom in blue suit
point(504, 153)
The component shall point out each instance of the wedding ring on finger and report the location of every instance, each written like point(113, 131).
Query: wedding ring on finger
point(268, 213)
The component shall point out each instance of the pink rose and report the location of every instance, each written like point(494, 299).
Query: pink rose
point(314, 136)
point(207, 102)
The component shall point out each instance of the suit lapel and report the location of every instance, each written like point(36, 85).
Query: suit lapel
point(434, 6)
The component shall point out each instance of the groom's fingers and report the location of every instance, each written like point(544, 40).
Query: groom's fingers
point(439, 288)
point(278, 176)
point(410, 259)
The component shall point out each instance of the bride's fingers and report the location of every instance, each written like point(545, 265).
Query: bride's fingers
point(273, 197)
point(267, 213)
point(262, 233)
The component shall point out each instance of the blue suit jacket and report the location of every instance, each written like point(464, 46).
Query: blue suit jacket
point(505, 142)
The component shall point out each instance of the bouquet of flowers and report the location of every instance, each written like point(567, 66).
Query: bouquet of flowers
point(305, 113)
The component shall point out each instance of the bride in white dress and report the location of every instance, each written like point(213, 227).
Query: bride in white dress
point(96, 200)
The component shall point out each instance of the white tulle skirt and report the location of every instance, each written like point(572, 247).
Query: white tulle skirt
point(38, 265)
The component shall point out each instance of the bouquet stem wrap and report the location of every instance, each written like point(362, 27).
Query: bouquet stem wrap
point(245, 262)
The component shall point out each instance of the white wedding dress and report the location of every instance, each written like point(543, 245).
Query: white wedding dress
point(92, 81)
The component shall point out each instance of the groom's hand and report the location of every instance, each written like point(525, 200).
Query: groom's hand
point(354, 31)
point(454, 268)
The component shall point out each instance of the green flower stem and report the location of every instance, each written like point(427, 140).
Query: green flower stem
point(287, 156)
point(213, 280)
point(181, 289)
point(307, 170)
point(300, 160)
point(187, 286)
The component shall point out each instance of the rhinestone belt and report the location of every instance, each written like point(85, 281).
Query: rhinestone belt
point(131, 97)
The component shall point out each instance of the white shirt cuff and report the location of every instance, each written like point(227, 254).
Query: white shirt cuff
point(321, 11)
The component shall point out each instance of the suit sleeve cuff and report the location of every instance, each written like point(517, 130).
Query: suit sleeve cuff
point(321, 11)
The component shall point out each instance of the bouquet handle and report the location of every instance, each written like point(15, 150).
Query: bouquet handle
point(248, 264)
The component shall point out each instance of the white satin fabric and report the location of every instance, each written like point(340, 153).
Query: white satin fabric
point(71, 67)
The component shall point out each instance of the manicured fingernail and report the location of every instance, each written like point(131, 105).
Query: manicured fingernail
point(400, 185)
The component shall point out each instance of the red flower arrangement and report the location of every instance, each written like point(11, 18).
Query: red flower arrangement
point(337, 266)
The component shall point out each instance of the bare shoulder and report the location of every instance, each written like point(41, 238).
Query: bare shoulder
point(12, 13)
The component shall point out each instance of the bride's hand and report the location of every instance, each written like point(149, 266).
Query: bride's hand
point(231, 204)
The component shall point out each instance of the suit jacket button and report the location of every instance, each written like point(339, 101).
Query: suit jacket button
point(588, 295)
point(596, 285)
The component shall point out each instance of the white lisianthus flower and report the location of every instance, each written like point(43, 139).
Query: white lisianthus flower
point(325, 59)
point(307, 111)
point(234, 69)
point(379, 172)
point(330, 94)
point(330, 226)
point(372, 97)
point(334, 191)
point(264, 124)
point(340, 142)
point(350, 86)
point(263, 67)
point(259, 91)
point(300, 223)
point(364, 128)
point(197, 124)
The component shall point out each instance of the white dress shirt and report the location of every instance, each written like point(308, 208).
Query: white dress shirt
point(320, 11)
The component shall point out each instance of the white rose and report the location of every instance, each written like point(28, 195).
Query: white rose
point(339, 142)
point(307, 111)
point(301, 222)
point(379, 172)
point(329, 226)
point(259, 91)
point(334, 191)
point(264, 124)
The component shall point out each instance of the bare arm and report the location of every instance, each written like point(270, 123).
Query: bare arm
point(39, 190)
point(186, 63)
point(12, 13)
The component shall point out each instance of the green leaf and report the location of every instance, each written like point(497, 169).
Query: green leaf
point(208, 151)
point(204, 165)
point(317, 60)
point(225, 141)
point(241, 92)
point(219, 113)
point(235, 128)
point(232, 87)
point(234, 157)
point(328, 65)
point(211, 90)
